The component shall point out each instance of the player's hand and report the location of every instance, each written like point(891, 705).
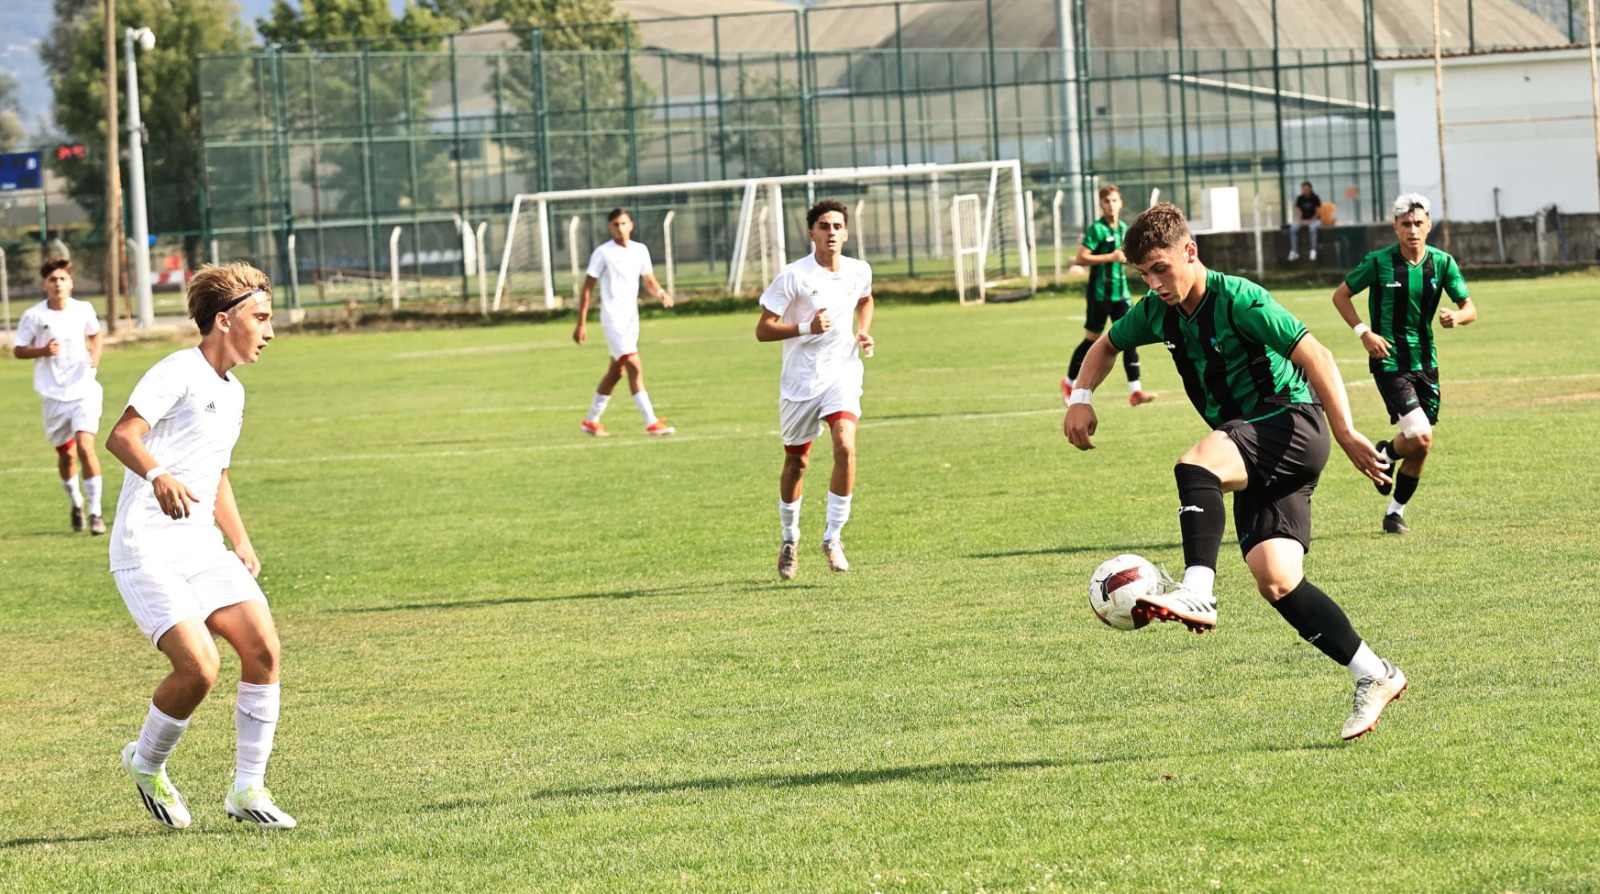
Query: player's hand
point(666, 298)
point(1365, 457)
point(174, 496)
point(1447, 318)
point(1079, 425)
point(247, 555)
point(1119, 257)
point(580, 333)
point(1377, 346)
point(820, 323)
point(866, 342)
point(53, 348)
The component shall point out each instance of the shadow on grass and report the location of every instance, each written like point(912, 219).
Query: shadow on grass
point(958, 772)
point(151, 833)
point(1075, 550)
point(640, 593)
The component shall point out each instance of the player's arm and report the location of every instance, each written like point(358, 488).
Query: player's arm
point(1322, 374)
point(1359, 280)
point(582, 331)
point(654, 290)
point(1080, 423)
point(96, 344)
point(1464, 313)
point(864, 311)
point(1085, 258)
point(126, 443)
point(228, 519)
point(771, 327)
point(25, 352)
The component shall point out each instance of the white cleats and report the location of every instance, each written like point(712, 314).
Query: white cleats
point(833, 550)
point(1373, 694)
point(254, 805)
point(1174, 603)
point(156, 792)
point(788, 563)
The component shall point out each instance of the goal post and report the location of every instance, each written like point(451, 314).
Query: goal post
point(726, 233)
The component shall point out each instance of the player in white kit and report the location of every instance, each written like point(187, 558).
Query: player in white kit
point(61, 335)
point(618, 265)
point(808, 308)
point(180, 583)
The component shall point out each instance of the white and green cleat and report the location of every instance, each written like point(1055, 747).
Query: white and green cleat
point(254, 805)
point(157, 792)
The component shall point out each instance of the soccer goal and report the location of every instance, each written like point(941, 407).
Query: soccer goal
point(733, 236)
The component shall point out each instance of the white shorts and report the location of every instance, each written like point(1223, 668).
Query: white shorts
point(801, 421)
point(63, 419)
point(160, 597)
point(622, 339)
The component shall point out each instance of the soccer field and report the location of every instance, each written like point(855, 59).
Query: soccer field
point(519, 659)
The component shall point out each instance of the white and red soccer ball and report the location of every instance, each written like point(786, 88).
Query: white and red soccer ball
point(1117, 584)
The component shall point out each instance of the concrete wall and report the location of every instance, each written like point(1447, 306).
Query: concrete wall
point(1519, 121)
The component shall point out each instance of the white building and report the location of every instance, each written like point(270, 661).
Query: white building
point(1521, 121)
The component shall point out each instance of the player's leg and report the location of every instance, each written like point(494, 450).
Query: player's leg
point(67, 465)
point(1094, 323)
point(653, 424)
point(195, 665)
point(602, 396)
point(248, 627)
point(1204, 472)
point(1316, 226)
point(1294, 238)
point(1413, 402)
point(841, 486)
point(1130, 362)
point(93, 482)
point(798, 422)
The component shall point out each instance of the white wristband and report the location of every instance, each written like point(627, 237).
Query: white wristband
point(1080, 396)
point(1360, 329)
point(154, 473)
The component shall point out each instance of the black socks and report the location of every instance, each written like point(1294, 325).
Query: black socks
point(1200, 514)
point(1320, 621)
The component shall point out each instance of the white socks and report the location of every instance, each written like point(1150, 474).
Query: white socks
point(789, 518)
point(1134, 386)
point(93, 487)
point(70, 485)
point(255, 718)
point(1366, 663)
point(157, 740)
point(838, 514)
point(1396, 508)
point(641, 399)
point(597, 407)
point(1199, 580)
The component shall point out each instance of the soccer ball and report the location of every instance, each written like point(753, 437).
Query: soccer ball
point(1116, 584)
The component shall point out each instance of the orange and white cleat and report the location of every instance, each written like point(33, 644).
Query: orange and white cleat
point(1136, 398)
point(594, 429)
point(1066, 390)
point(659, 427)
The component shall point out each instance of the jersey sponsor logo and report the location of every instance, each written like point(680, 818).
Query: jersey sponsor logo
point(1393, 285)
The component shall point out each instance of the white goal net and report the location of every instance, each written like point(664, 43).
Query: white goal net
point(731, 237)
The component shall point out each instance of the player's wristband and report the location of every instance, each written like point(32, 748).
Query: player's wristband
point(1360, 329)
point(154, 473)
point(1080, 396)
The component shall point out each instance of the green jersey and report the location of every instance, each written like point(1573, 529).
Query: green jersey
point(1107, 282)
point(1403, 302)
point(1232, 353)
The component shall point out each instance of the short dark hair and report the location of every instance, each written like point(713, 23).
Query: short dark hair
point(1307, 183)
point(616, 213)
point(1156, 228)
point(823, 207)
point(1108, 189)
point(216, 290)
point(54, 264)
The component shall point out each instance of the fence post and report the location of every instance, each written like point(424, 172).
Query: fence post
point(394, 268)
point(483, 272)
point(666, 239)
point(5, 290)
point(572, 255)
point(1055, 228)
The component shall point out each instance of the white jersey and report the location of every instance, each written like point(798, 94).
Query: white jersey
point(195, 417)
point(68, 375)
point(815, 363)
point(618, 269)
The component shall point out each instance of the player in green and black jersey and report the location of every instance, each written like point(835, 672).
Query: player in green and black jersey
point(1107, 292)
point(1404, 284)
point(1256, 376)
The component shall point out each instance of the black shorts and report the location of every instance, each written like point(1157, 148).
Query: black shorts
point(1284, 455)
point(1094, 320)
point(1405, 391)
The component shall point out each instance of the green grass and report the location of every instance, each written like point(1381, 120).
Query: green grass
point(516, 659)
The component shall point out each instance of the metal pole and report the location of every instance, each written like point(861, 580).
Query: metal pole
point(1594, 89)
point(483, 272)
point(5, 290)
point(113, 210)
point(1055, 225)
point(394, 267)
point(666, 248)
point(1277, 114)
point(1066, 27)
point(1438, 112)
point(140, 218)
point(1261, 260)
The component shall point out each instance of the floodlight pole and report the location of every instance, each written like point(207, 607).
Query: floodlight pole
point(140, 221)
point(113, 235)
point(1594, 89)
point(1438, 112)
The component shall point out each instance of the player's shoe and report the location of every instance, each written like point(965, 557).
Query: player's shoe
point(1395, 523)
point(77, 518)
point(1386, 450)
point(659, 427)
point(833, 550)
point(1373, 694)
point(1136, 398)
point(97, 525)
point(156, 792)
point(594, 429)
point(1066, 390)
point(788, 561)
point(254, 805)
point(1175, 603)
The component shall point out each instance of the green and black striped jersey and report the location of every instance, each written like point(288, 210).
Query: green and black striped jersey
point(1233, 353)
point(1107, 282)
point(1403, 300)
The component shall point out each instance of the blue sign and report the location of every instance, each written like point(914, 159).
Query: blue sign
point(20, 170)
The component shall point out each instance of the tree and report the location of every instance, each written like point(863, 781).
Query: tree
point(763, 127)
point(11, 129)
point(169, 98)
